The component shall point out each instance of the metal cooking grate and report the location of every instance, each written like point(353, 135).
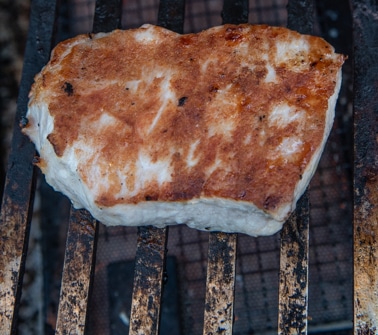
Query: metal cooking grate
point(199, 14)
point(256, 292)
point(257, 264)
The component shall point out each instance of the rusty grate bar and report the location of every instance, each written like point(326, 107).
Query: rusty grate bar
point(148, 281)
point(82, 235)
point(365, 27)
point(293, 282)
point(16, 208)
point(152, 242)
point(78, 270)
point(220, 281)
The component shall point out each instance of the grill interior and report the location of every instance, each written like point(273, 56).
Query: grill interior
point(330, 296)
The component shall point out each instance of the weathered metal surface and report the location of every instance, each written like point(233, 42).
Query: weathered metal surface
point(220, 284)
point(171, 15)
point(365, 28)
point(82, 235)
point(108, 15)
point(148, 281)
point(78, 270)
point(293, 282)
point(235, 12)
point(151, 247)
point(19, 187)
point(300, 15)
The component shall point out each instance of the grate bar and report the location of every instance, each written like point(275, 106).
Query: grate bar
point(78, 271)
point(107, 16)
point(171, 15)
point(148, 281)
point(235, 12)
point(300, 15)
point(80, 252)
point(220, 281)
point(365, 27)
point(152, 242)
point(293, 281)
point(17, 203)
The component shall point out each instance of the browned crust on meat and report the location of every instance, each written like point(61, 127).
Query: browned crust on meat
point(254, 176)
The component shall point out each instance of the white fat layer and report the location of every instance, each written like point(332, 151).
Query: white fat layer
point(106, 120)
point(286, 49)
point(283, 114)
point(167, 96)
point(132, 85)
point(247, 139)
point(205, 64)
point(145, 35)
point(191, 160)
point(222, 127)
point(62, 174)
point(223, 124)
point(289, 146)
point(99, 35)
point(262, 137)
point(41, 124)
point(294, 52)
point(148, 170)
point(208, 214)
point(271, 76)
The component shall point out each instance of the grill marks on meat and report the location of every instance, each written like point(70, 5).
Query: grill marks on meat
point(235, 112)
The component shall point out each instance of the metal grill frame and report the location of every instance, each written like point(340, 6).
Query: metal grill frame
point(17, 203)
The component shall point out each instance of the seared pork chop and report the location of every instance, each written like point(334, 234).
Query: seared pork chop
point(220, 130)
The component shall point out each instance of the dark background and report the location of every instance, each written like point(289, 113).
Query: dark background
point(256, 292)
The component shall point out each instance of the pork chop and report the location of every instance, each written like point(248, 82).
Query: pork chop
point(221, 130)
